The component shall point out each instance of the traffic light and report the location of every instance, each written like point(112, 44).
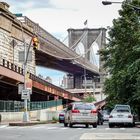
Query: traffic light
point(35, 42)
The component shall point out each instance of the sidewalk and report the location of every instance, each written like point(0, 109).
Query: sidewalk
point(31, 123)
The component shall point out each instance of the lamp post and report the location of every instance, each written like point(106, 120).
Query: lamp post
point(25, 114)
point(26, 54)
point(126, 3)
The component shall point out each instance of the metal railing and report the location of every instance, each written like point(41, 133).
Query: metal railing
point(11, 66)
point(17, 106)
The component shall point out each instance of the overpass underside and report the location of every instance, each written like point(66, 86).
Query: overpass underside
point(67, 66)
point(10, 92)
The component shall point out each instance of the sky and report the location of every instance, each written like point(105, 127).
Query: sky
point(56, 16)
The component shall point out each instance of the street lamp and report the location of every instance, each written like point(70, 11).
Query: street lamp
point(26, 54)
point(35, 42)
point(109, 3)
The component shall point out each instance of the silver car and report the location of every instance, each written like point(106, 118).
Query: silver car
point(121, 115)
point(81, 113)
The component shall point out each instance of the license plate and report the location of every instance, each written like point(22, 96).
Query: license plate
point(84, 114)
point(120, 116)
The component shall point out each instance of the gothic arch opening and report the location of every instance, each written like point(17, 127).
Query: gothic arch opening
point(94, 57)
point(80, 49)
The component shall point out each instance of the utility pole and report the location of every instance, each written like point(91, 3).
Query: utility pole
point(26, 53)
point(25, 114)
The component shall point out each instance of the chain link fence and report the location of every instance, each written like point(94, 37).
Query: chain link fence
point(17, 106)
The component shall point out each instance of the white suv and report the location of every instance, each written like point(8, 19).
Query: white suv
point(81, 113)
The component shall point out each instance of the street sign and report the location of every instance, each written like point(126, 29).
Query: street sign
point(30, 90)
point(13, 43)
point(25, 94)
point(20, 88)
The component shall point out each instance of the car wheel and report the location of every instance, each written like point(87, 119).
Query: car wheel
point(133, 124)
point(70, 125)
point(94, 125)
point(65, 124)
point(101, 123)
point(87, 125)
point(111, 125)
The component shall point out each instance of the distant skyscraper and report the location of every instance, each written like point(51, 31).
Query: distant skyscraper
point(64, 81)
point(48, 79)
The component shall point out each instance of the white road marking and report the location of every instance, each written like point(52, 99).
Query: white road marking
point(107, 128)
point(3, 126)
point(52, 128)
point(63, 128)
point(110, 136)
point(122, 128)
point(79, 128)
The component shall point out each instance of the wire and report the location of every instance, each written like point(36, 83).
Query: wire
point(64, 39)
point(79, 40)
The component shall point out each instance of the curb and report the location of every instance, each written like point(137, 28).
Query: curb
point(30, 123)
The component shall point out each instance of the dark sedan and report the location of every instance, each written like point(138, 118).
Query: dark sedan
point(61, 116)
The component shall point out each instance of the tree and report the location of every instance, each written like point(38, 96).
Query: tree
point(89, 99)
point(122, 57)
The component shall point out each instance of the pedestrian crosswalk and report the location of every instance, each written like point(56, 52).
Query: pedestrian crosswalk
point(37, 127)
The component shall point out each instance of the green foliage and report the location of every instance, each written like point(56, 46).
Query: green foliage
point(122, 57)
point(89, 99)
point(55, 119)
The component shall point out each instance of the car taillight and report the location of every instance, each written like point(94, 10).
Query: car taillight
point(93, 111)
point(110, 116)
point(129, 116)
point(75, 111)
point(61, 114)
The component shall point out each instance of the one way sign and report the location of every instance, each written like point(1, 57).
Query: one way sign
point(25, 94)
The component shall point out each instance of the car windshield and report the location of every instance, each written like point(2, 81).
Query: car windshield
point(120, 110)
point(121, 107)
point(84, 106)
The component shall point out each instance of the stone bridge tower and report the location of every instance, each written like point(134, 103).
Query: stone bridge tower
point(86, 37)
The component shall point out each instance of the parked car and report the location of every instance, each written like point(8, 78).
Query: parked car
point(81, 113)
point(105, 115)
point(61, 116)
point(121, 115)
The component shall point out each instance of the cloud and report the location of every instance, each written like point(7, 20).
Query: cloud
point(59, 15)
point(25, 5)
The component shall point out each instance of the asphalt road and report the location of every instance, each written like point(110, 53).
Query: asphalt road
point(59, 132)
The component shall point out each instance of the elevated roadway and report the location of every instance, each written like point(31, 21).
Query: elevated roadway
point(52, 53)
